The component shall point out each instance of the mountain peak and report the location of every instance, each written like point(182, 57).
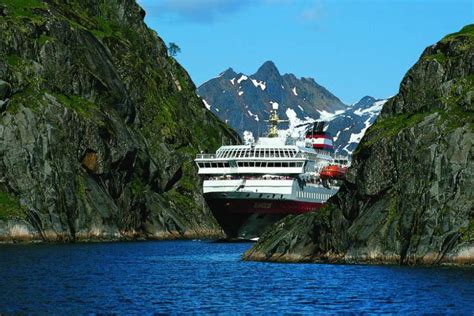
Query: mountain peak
point(229, 72)
point(365, 101)
point(267, 69)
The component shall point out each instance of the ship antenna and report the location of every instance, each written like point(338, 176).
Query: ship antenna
point(274, 121)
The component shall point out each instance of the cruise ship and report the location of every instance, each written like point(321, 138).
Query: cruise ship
point(249, 187)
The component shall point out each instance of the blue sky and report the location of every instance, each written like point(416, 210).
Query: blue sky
point(353, 48)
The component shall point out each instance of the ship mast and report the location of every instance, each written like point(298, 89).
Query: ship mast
point(274, 121)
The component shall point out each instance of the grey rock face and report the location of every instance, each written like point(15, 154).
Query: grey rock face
point(408, 197)
point(101, 127)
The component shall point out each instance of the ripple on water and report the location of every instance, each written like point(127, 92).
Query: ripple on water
point(206, 277)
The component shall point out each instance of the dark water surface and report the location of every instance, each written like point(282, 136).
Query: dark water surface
point(206, 277)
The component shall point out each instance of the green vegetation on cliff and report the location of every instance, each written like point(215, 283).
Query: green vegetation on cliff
point(10, 208)
point(408, 195)
point(99, 125)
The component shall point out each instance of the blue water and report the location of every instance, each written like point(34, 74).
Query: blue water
point(205, 277)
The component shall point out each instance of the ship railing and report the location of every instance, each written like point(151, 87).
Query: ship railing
point(206, 156)
point(270, 177)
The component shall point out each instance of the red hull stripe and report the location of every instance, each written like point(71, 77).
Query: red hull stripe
point(262, 206)
point(321, 146)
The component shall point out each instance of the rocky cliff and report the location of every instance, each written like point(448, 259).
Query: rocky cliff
point(98, 126)
point(409, 196)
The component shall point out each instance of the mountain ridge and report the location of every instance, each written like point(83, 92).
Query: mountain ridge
point(244, 102)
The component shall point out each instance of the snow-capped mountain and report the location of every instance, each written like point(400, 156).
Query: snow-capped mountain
point(348, 127)
point(244, 101)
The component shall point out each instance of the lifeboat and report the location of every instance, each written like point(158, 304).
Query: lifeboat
point(333, 172)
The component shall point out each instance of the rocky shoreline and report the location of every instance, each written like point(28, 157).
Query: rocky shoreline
point(21, 232)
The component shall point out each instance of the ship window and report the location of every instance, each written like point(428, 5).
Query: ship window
point(277, 164)
point(284, 164)
point(271, 164)
point(220, 165)
point(277, 153)
point(240, 164)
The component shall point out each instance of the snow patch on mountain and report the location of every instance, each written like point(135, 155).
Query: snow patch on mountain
point(241, 92)
point(255, 116)
point(260, 84)
point(294, 91)
point(208, 106)
point(294, 120)
point(242, 78)
point(355, 138)
point(328, 116)
point(375, 108)
point(232, 81)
